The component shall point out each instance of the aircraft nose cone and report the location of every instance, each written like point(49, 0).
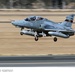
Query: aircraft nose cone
point(19, 23)
point(13, 22)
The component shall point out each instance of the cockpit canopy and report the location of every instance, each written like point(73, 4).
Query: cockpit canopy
point(34, 18)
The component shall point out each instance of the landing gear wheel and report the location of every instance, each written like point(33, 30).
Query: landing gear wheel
point(36, 38)
point(21, 33)
point(55, 39)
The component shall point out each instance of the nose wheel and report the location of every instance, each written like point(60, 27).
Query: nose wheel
point(55, 39)
point(21, 33)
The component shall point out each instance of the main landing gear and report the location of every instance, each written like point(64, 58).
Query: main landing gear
point(55, 39)
point(36, 36)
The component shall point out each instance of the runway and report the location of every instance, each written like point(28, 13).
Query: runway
point(38, 61)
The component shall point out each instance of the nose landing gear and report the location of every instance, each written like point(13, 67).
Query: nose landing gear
point(22, 28)
point(21, 33)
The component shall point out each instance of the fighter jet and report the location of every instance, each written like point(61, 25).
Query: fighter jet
point(41, 27)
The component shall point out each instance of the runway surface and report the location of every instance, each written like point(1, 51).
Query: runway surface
point(38, 61)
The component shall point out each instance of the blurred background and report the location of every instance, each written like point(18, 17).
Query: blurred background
point(36, 4)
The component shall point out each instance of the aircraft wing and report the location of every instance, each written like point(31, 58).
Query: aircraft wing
point(58, 30)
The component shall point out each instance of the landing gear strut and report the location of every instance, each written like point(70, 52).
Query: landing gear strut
point(55, 39)
point(22, 28)
point(36, 36)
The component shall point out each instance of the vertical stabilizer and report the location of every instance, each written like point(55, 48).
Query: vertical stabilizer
point(68, 21)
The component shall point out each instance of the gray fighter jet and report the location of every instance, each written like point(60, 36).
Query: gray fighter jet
point(41, 27)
